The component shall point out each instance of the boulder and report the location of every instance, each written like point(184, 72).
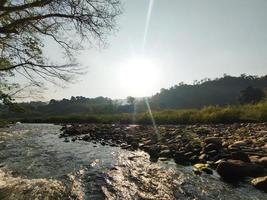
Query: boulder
point(237, 169)
point(240, 155)
point(153, 152)
point(239, 144)
point(203, 157)
point(254, 158)
point(260, 183)
point(212, 146)
point(262, 161)
point(180, 158)
point(165, 153)
point(213, 140)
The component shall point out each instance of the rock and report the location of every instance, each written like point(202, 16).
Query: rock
point(237, 169)
point(212, 146)
point(165, 153)
point(213, 140)
point(194, 159)
point(239, 144)
point(134, 145)
point(254, 158)
point(260, 183)
point(225, 144)
point(180, 158)
point(202, 131)
point(203, 157)
point(189, 154)
point(86, 138)
point(239, 155)
point(203, 167)
point(153, 152)
point(212, 153)
point(262, 161)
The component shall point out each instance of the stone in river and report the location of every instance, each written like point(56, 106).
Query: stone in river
point(165, 153)
point(262, 161)
point(260, 183)
point(180, 158)
point(237, 169)
point(240, 155)
point(212, 146)
point(213, 140)
point(202, 167)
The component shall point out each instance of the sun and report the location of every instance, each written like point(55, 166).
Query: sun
point(139, 76)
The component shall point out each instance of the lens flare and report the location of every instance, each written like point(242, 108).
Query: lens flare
point(150, 8)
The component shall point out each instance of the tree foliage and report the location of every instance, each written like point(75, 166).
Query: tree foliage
point(220, 91)
point(251, 95)
point(25, 24)
point(207, 94)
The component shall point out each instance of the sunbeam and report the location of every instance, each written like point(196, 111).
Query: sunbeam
point(150, 8)
point(152, 118)
point(148, 19)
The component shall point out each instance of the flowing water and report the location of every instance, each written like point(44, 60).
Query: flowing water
point(36, 164)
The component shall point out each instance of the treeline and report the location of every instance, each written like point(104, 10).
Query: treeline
point(225, 91)
point(221, 91)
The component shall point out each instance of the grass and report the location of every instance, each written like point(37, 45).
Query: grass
point(209, 114)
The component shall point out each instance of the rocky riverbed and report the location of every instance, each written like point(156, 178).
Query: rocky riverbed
point(238, 152)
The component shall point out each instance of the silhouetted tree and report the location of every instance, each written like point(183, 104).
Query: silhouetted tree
point(24, 24)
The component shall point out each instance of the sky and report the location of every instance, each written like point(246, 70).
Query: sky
point(187, 40)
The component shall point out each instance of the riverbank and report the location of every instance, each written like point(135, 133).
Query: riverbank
point(248, 113)
point(235, 151)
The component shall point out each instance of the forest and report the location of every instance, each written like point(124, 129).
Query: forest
point(183, 103)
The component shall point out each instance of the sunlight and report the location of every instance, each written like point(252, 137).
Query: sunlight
point(139, 76)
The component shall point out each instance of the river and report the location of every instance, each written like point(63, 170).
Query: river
point(36, 164)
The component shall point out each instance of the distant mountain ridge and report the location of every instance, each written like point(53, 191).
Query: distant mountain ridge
point(221, 91)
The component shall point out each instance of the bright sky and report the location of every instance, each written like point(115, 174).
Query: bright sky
point(187, 40)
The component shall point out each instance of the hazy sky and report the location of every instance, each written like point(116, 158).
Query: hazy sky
point(187, 40)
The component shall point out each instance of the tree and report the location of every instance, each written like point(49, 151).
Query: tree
point(130, 100)
point(25, 25)
point(251, 95)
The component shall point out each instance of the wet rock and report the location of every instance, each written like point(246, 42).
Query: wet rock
point(193, 159)
point(214, 155)
point(237, 169)
point(239, 144)
point(134, 145)
point(180, 158)
point(212, 146)
point(262, 161)
point(202, 167)
point(86, 138)
point(239, 155)
point(153, 152)
point(260, 183)
point(254, 158)
point(165, 153)
point(213, 140)
point(203, 157)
